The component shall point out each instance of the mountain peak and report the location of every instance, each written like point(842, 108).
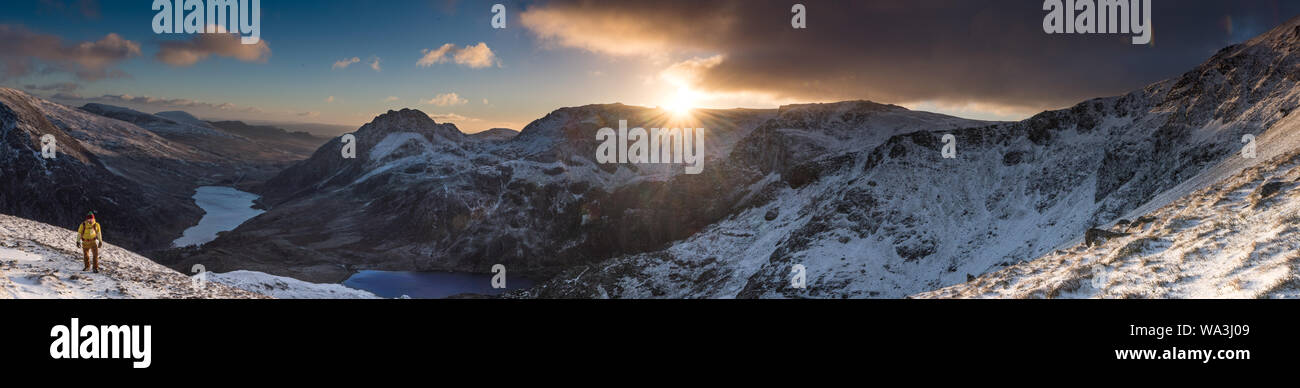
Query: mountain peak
point(410, 120)
point(1263, 66)
point(496, 134)
point(405, 118)
point(404, 114)
point(860, 106)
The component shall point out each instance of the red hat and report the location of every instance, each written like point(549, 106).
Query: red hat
point(90, 216)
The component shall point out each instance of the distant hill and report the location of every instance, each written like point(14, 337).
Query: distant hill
point(495, 134)
point(183, 117)
point(266, 132)
point(317, 129)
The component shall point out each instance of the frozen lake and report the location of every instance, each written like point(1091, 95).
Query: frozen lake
point(225, 209)
point(429, 285)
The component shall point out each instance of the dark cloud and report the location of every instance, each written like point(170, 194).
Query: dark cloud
point(24, 52)
point(962, 52)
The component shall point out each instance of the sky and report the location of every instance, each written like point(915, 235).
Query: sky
point(344, 62)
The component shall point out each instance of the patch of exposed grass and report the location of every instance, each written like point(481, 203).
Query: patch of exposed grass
point(1182, 223)
point(1071, 285)
point(1136, 247)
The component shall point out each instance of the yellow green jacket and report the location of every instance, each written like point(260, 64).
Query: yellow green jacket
point(90, 233)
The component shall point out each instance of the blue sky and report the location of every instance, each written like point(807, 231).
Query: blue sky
point(307, 37)
point(977, 59)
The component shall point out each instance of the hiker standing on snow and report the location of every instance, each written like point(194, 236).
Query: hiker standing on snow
point(90, 238)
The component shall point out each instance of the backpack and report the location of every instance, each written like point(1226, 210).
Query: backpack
point(90, 233)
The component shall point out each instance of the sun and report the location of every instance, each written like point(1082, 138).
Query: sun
point(681, 103)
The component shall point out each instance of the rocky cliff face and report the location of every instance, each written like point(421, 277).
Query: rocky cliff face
point(1222, 224)
point(1234, 239)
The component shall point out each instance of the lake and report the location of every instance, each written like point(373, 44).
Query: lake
point(224, 209)
point(429, 285)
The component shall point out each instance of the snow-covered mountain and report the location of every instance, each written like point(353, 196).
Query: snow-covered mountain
point(899, 219)
point(423, 196)
point(281, 287)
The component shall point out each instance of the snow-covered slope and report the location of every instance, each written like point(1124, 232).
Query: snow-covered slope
point(1244, 89)
point(1239, 238)
point(184, 117)
point(236, 153)
point(172, 123)
point(42, 261)
point(287, 288)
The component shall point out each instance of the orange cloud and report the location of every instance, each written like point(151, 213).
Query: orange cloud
point(622, 30)
point(187, 53)
point(474, 56)
point(344, 63)
point(446, 99)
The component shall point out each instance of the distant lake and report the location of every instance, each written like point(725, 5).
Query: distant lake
point(224, 209)
point(430, 285)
